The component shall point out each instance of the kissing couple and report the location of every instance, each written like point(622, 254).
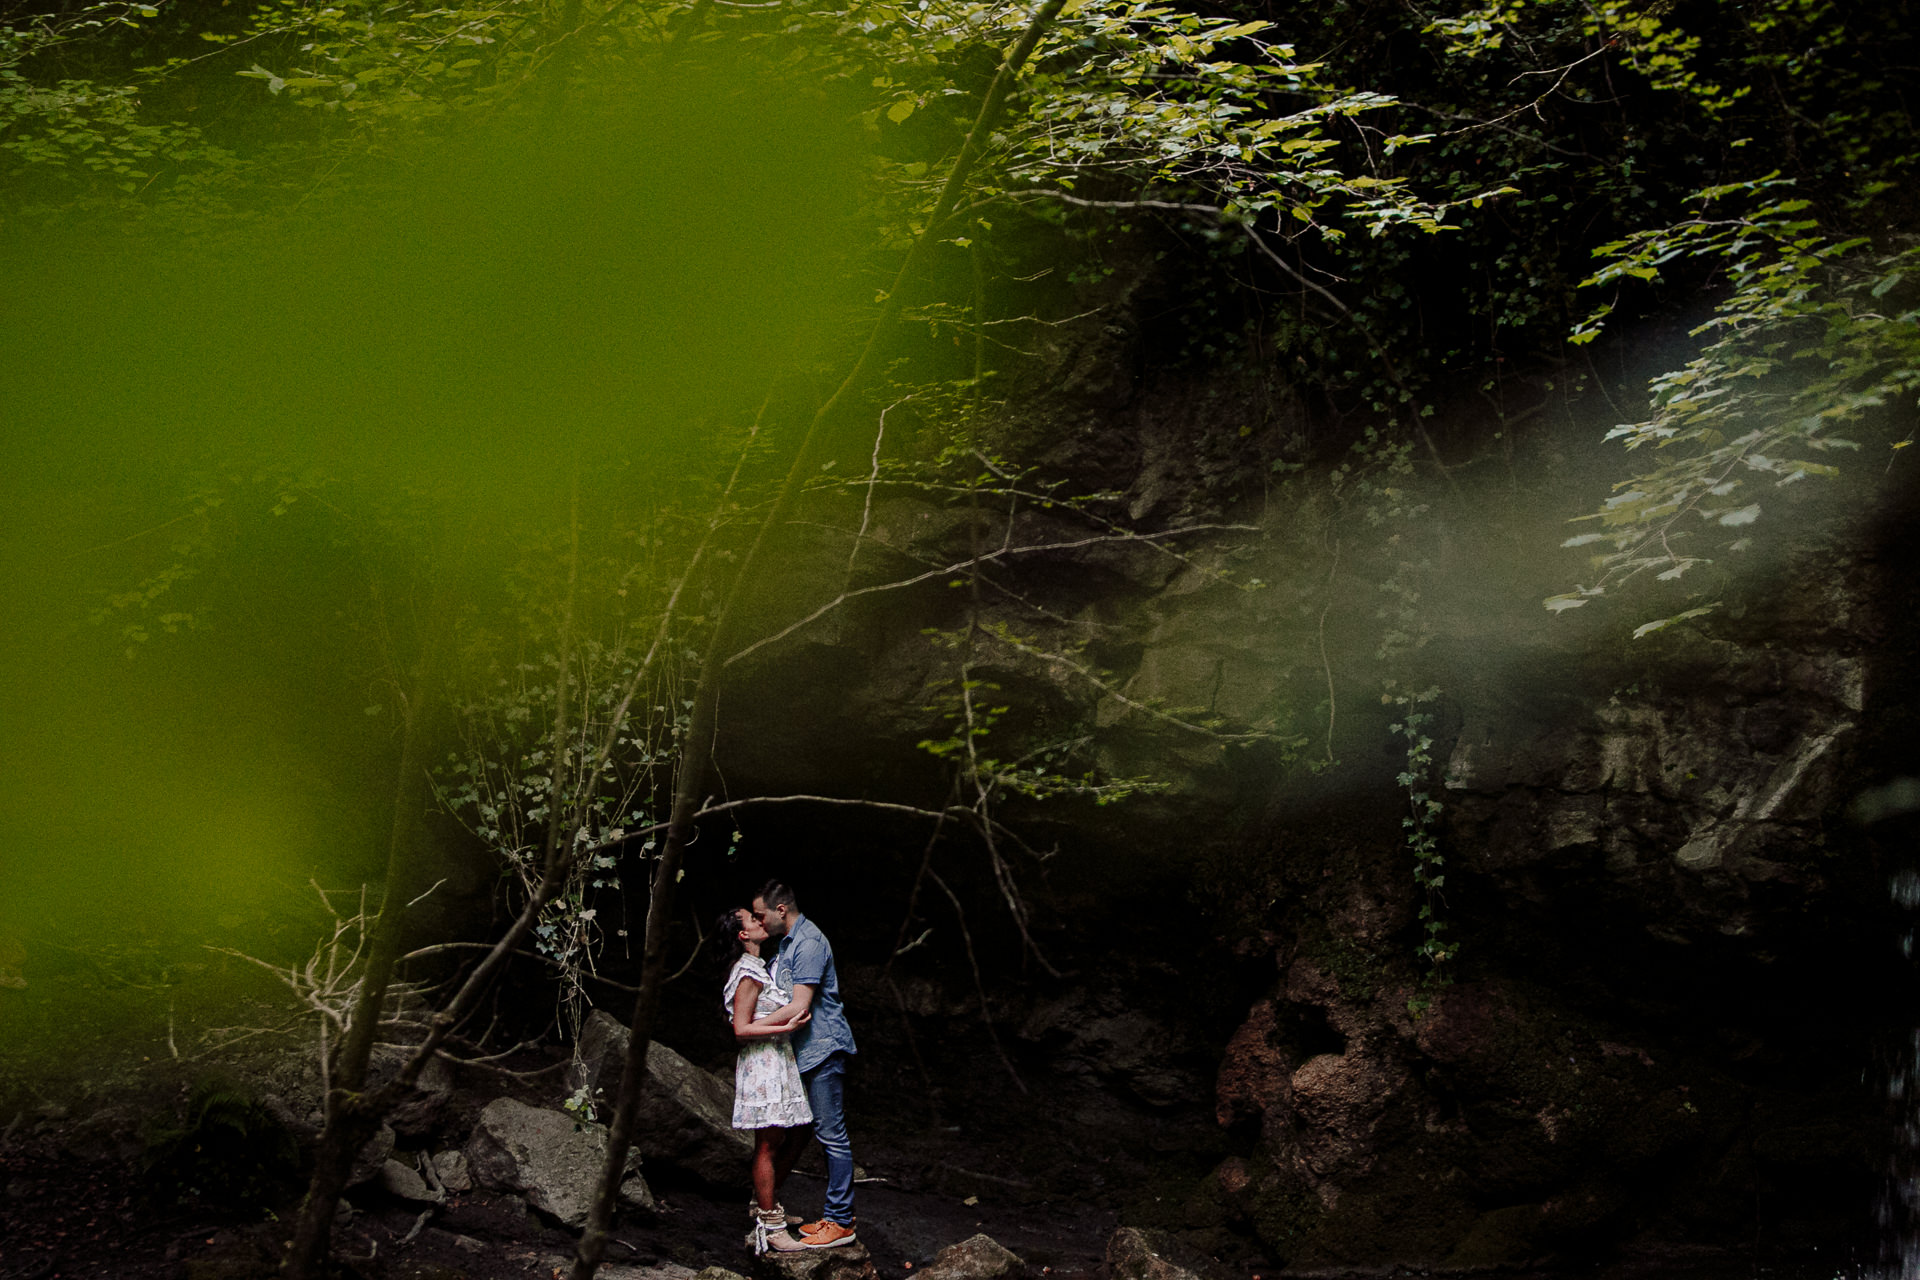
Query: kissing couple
point(782, 996)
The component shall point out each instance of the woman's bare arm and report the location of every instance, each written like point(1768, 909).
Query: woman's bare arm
point(747, 1027)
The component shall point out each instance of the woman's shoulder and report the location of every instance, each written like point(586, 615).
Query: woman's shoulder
point(748, 967)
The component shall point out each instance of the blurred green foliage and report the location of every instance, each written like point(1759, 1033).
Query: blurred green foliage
point(315, 308)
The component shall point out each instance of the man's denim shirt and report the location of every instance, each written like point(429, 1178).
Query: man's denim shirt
point(806, 956)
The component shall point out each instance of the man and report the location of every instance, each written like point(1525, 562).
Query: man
point(804, 962)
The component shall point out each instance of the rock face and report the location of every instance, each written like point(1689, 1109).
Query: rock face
point(1666, 924)
point(686, 1114)
point(1664, 928)
point(1701, 803)
point(1648, 885)
point(547, 1156)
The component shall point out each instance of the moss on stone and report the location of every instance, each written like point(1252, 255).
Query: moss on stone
point(1501, 1238)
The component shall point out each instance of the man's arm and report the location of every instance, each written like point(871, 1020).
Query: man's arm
point(802, 1002)
point(806, 964)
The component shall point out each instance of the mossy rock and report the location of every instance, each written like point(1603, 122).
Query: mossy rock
point(1281, 1210)
point(1502, 1238)
point(230, 1266)
point(1395, 1220)
point(1146, 1254)
point(1231, 1249)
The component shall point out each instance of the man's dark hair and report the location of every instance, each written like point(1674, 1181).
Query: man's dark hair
point(776, 894)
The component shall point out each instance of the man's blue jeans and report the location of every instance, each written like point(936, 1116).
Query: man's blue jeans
point(825, 1092)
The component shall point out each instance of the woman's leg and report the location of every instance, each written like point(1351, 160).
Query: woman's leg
point(766, 1142)
point(769, 1219)
point(793, 1144)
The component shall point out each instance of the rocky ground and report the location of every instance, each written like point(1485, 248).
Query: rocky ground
point(156, 1172)
point(66, 1216)
point(71, 1216)
point(480, 1177)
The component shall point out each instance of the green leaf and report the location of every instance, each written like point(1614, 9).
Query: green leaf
point(1648, 628)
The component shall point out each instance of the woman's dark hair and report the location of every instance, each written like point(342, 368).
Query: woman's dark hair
point(727, 930)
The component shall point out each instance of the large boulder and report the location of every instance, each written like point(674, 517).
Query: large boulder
point(842, 1262)
point(450, 1167)
point(562, 1264)
point(548, 1157)
point(405, 1182)
point(422, 1107)
point(372, 1158)
point(686, 1114)
point(1097, 1033)
point(1134, 1254)
point(1666, 927)
point(978, 1257)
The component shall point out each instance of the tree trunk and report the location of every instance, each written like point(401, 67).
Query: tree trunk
point(350, 1121)
point(653, 965)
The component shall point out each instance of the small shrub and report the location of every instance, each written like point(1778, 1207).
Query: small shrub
point(228, 1150)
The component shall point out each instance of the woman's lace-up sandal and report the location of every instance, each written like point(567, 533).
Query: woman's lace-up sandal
point(770, 1232)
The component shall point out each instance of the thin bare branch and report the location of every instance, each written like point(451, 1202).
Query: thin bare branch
point(699, 941)
point(443, 947)
point(960, 566)
point(1326, 663)
point(979, 984)
point(873, 478)
point(1087, 673)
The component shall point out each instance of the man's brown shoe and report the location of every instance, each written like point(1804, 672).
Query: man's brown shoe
point(827, 1235)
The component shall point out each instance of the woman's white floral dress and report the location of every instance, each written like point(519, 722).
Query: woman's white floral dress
point(767, 1092)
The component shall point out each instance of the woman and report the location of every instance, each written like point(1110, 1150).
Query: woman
point(768, 1097)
